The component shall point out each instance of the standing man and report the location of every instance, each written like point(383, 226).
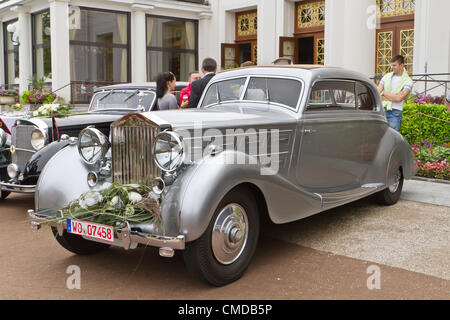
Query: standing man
point(394, 88)
point(447, 102)
point(209, 68)
point(185, 94)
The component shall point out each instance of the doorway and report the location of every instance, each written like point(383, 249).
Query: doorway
point(306, 50)
point(245, 52)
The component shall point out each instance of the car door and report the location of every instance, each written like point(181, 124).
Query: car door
point(330, 155)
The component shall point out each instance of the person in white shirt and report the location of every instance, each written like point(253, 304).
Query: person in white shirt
point(395, 88)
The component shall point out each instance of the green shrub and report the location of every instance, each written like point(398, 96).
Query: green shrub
point(416, 128)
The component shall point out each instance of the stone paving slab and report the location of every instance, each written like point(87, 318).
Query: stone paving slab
point(427, 192)
point(410, 235)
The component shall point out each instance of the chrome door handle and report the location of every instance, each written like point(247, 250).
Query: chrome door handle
point(309, 131)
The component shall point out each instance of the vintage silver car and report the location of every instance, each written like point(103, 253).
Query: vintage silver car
point(281, 143)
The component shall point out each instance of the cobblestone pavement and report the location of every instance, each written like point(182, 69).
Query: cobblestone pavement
point(326, 256)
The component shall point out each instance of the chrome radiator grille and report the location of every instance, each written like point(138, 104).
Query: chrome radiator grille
point(132, 154)
point(21, 139)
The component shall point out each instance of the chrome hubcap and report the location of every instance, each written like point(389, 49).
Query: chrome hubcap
point(393, 187)
point(230, 233)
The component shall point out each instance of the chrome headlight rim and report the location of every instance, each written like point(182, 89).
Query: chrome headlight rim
point(42, 139)
point(179, 161)
point(13, 170)
point(3, 138)
point(98, 139)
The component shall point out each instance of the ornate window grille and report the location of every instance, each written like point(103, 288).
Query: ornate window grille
point(321, 51)
point(247, 25)
point(311, 15)
point(407, 48)
point(384, 52)
point(394, 8)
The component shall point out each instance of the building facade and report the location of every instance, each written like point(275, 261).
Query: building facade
point(78, 45)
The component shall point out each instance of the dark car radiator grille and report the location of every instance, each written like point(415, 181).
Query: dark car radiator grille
point(21, 139)
point(132, 154)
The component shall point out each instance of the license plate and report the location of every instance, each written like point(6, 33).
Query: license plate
point(91, 230)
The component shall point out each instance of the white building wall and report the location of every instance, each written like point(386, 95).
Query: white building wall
point(349, 41)
point(432, 41)
point(350, 34)
point(59, 12)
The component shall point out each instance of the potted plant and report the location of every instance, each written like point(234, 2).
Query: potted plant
point(8, 97)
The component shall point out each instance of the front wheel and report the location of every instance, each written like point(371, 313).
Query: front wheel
point(4, 194)
point(222, 254)
point(77, 244)
point(391, 194)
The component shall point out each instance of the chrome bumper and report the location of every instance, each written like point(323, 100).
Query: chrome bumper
point(125, 237)
point(17, 188)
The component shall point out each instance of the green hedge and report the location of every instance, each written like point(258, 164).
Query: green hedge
point(416, 128)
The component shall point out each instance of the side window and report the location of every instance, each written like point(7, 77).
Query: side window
point(211, 96)
point(282, 91)
point(332, 95)
point(228, 90)
point(366, 101)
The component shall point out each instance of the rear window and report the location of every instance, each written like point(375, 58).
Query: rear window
point(366, 100)
point(282, 91)
point(332, 95)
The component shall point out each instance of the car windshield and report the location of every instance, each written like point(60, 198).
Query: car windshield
point(138, 100)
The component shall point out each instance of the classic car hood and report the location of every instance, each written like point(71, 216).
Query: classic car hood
point(236, 116)
point(81, 119)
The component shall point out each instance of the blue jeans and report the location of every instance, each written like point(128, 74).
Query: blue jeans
point(394, 117)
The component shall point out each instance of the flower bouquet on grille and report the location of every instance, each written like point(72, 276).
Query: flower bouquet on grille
point(114, 206)
point(48, 110)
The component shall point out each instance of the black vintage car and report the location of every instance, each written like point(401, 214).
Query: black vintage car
point(5, 156)
point(35, 140)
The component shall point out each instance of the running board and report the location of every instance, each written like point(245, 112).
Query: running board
point(338, 198)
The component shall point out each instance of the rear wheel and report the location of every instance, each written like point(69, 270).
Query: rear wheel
point(222, 254)
point(391, 194)
point(77, 244)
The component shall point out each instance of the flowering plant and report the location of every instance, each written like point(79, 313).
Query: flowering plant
point(8, 93)
point(17, 107)
point(433, 158)
point(47, 110)
point(115, 205)
point(37, 97)
point(426, 99)
point(435, 169)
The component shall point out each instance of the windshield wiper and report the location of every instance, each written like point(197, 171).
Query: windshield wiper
point(106, 95)
point(131, 95)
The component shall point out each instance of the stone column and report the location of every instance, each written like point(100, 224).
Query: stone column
point(204, 39)
point(139, 42)
point(267, 31)
point(2, 55)
point(25, 55)
point(431, 41)
point(59, 21)
point(350, 32)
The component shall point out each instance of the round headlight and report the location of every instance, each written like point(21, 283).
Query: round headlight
point(13, 170)
point(3, 138)
point(168, 151)
point(92, 145)
point(38, 139)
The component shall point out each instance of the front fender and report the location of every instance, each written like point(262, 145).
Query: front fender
point(63, 179)
point(37, 162)
point(210, 180)
point(5, 160)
